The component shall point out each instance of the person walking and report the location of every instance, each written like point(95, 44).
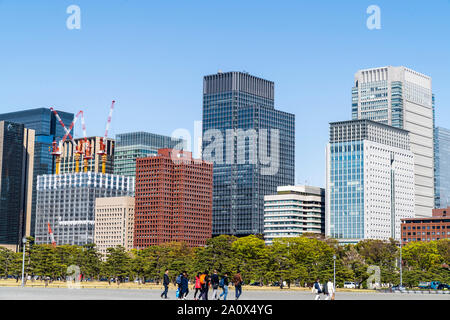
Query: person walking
point(204, 281)
point(237, 281)
point(224, 285)
point(317, 289)
point(197, 287)
point(166, 282)
point(184, 288)
point(330, 290)
point(215, 285)
point(178, 282)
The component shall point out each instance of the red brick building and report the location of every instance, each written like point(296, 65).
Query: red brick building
point(173, 199)
point(436, 227)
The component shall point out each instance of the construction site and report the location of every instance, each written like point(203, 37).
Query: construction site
point(65, 208)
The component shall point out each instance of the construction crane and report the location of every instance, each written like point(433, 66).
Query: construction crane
point(57, 147)
point(102, 150)
point(50, 232)
point(78, 146)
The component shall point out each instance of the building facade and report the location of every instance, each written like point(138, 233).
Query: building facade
point(114, 223)
point(434, 228)
point(47, 129)
point(173, 199)
point(252, 146)
point(369, 181)
point(16, 183)
point(134, 145)
point(401, 97)
point(293, 211)
point(67, 203)
point(442, 167)
point(68, 156)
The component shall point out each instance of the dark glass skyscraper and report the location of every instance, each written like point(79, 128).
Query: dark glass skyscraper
point(16, 174)
point(47, 128)
point(252, 146)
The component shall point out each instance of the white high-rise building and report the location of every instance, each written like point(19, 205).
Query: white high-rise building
point(370, 181)
point(402, 98)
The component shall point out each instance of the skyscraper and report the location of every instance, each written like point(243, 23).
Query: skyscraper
point(402, 98)
point(442, 167)
point(47, 128)
point(173, 199)
point(16, 181)
point(369, 181)
point(133, 145)
point(252, 146)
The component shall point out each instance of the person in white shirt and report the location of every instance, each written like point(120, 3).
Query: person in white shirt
point(330, 289)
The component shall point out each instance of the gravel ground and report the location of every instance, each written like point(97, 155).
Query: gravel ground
point(17, 293)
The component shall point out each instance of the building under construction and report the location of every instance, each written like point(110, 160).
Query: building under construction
point(72, 160)
point(66, 203)
point(65, 209)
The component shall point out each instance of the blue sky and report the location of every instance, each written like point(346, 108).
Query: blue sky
point(151, 57)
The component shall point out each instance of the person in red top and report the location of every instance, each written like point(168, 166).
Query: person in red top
point(197, 286)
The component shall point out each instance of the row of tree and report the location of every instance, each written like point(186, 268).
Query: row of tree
point(295, 260)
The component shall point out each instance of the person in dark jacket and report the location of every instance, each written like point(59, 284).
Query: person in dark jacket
point(184, 290)
point(215, 285)
point(166, 282)
point(225, 283)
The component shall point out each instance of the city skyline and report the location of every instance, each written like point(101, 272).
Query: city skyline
point(77, 69)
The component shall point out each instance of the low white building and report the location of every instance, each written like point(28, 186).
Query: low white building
point(293, 211)
point(114, 223)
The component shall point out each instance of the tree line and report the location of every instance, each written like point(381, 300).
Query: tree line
point(297, 261)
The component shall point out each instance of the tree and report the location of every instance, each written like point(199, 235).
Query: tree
point(252, 255)
point(117, 264)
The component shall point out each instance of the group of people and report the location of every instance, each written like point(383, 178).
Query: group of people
point(202, 283)
point(327, 289)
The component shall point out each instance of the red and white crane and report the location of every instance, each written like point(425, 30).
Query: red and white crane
point(50, 232)
point(102, 150)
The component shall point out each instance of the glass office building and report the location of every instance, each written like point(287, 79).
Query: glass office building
point(133, 145)
point(442, 167)
point(370, 181)
point(67, 203)
point(16, 179)
point(47, 128)
point(240, 120)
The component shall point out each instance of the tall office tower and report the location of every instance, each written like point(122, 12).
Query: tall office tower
point(133, 145)
point(68, 156)
point(402, 98)
point(47, 128)
point(293, 211)
point(442, 167)
point(252, 146)
point(173, 199)
point(369, 181)
point(16, 183)
point(114, 223)
point(67, 203)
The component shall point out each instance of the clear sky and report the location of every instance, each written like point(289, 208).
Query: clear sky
point(151, 57)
